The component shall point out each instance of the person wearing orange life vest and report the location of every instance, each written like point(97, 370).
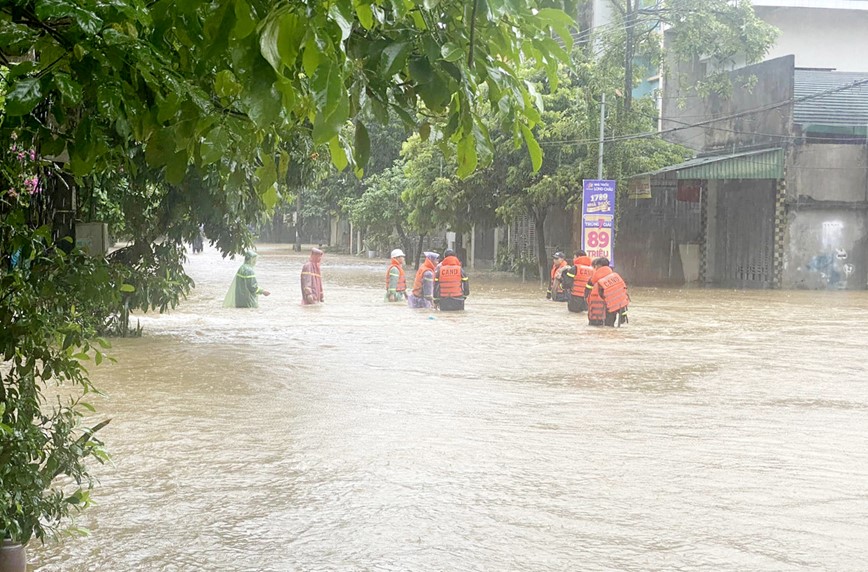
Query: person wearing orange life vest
point(422, 295)
point(574, 280)
point(607, 296)
point(451, 285)
point(556, 291)
point(396, 282)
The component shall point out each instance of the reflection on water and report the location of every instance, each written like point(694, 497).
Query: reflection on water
point(719, 430)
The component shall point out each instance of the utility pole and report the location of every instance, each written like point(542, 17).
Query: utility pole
point(629, 25)
point(602, 135)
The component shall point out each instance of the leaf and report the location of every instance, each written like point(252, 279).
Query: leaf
point(127, 288)
point(366, 15)
point(338, 155)
point(310, 58)
point(15, 36)
point(326, 126)
point(270, 197)
point(533, 147)
point(451, 52)
point(361, 144)
point(394, 57)
point(263, 105)
point(214, 146)
point(60, 9)
point(268, 43)
point(288, 93)
point(244, 22)
point(435, 94)
point(266, 174)
point(289, 39)
point(68, 88)
point(226, 85)
point(328, 87)
point(421, 70)
point(560, 22)
point(467, 158)
point(176, 167)
point(339, 13)
point(283, 165)
point(23, 97)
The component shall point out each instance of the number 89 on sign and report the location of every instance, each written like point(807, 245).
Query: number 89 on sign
point(598, 242)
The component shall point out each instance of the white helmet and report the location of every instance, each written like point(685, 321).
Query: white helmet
point(397, 252)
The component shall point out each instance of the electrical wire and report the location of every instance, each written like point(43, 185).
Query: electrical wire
point(760, 109)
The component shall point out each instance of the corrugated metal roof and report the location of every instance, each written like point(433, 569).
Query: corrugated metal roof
point(843, 108)
point(759, 164)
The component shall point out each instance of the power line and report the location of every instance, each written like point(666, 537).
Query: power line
point(775, 135)
point(767, 107)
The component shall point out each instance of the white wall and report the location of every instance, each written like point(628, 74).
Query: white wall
point(833, 4)
point(602, 13)
point(820, 38)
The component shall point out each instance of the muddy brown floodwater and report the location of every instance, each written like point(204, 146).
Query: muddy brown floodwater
point(720, 430)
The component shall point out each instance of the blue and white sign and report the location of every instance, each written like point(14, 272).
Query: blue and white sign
point(598, 218)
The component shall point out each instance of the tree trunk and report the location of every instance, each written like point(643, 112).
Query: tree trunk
point(539, 219)
point(405, 240)
point(629, 24)
point(298, 221)
point(419, 251)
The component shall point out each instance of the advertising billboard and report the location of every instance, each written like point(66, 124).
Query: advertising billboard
point(598, 218)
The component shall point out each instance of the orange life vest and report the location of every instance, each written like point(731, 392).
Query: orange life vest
point(402, 280)
point(614, 291)
point(596, 304)
point(417, 283)
point(450, 279)
point(584, 270)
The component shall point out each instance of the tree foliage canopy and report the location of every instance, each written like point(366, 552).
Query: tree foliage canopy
point(205, 91)
point(162, 116)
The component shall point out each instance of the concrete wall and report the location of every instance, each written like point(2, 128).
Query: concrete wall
point(826, 249)
point(826, 172)
point(820, 38)
point(759, 86)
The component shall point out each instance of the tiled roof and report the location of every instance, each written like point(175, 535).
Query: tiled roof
point(842, 107)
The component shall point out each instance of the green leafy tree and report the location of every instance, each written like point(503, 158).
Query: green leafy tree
point(725, 32)
point(168, 115)
point(52, 304)
point(380, 209)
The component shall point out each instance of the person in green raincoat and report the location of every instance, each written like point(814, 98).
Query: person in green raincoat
point(244, 291)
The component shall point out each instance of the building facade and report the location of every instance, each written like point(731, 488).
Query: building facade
point(777, 195)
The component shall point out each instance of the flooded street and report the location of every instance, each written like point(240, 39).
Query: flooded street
point(719, 430)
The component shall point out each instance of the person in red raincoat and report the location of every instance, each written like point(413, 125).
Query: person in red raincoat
point(311, 279)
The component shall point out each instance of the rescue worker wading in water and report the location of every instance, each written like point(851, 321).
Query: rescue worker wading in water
point(422, 295)
point(396, 282)
point(607, 296)
point(556, 290)
point(451, 286)
point(575, 279)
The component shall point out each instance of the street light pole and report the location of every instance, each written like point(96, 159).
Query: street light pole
point(602, 135)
